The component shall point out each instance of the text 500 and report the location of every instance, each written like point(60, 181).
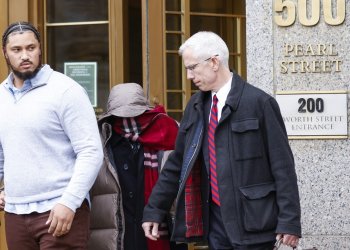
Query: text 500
point(308, 19)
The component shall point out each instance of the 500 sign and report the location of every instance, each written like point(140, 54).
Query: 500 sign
point(288, 17)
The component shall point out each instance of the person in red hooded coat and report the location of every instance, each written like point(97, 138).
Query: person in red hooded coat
point(134, 135)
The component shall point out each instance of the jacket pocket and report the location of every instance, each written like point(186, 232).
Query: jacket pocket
point(246, 139)
point(260, 209)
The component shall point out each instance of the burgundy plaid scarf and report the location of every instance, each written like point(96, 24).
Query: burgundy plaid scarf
point(193, 203)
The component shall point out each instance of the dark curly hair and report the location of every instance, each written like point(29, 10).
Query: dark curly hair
point(19, 27)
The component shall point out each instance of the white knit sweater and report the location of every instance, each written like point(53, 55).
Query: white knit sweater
point(50, 149)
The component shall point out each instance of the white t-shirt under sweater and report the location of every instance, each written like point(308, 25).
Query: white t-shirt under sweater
point(50, 148)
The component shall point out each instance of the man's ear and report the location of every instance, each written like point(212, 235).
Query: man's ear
point(216, 63)
point(5, 54)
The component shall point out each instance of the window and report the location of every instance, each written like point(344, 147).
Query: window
point(77, 31)
point(184, 18)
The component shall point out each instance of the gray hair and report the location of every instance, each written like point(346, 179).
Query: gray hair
point(205, 44)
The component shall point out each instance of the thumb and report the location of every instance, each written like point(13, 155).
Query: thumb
point(155, 230)
point(50, 218)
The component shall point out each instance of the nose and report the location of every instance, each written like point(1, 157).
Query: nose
point(190, 75)
point(24, 55)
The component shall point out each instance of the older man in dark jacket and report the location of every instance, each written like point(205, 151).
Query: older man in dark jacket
point(232, 171)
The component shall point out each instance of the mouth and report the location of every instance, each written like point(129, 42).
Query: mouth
point(25, 65)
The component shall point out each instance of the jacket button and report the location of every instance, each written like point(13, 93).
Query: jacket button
point(131, 194)
point(126, 167)
point(194, 145)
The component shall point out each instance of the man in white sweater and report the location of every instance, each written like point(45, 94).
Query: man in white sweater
point(50, 149)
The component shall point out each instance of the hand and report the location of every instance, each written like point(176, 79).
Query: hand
point(288, 239)
point(60, 220)
point(151, 230)
point(2, 200)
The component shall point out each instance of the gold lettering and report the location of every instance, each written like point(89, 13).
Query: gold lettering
point(337, 65)
point(327, 66)
point(327, 9)
point(299, 50)
point(316, 67)
point(309, 51)
point(315, 12)
point(288, 49)
point(331, 52)
point(285, 12)
point(322, 49)
point(289, 7)
point(284, 68)
point(293, 63)
point(304, 67)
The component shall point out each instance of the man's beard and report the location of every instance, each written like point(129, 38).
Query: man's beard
point(24, 75)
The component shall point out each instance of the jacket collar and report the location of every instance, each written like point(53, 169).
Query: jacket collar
point(42, 76)
point(201, 100)
point(233, 98)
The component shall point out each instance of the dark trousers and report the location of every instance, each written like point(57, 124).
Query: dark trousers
point(218, 239)
point(29, 232)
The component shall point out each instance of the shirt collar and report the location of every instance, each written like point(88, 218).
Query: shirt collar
point(9, 85)
point(223, 91)
point(39, 79)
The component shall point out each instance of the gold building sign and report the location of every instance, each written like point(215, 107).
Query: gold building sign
point(310, 58)
point(287, 11)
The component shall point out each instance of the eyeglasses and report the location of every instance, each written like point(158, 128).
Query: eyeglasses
point(193, 66)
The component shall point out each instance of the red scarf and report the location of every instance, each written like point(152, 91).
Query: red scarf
point(193, 203)
point(153, 129)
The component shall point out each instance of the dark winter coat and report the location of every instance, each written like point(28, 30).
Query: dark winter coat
point(117, 195)
point(255, 168)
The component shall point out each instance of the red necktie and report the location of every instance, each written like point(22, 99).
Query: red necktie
point(213, 122)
